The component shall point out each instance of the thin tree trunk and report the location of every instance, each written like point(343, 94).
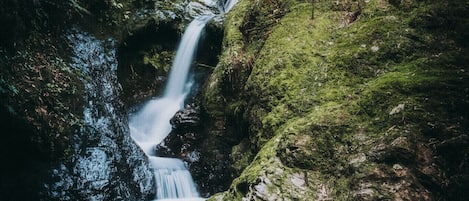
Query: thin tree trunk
point(312, 10)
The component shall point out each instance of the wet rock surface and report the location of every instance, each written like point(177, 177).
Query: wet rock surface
point(186, 119)
point(210, 167)
point(185, 137)
point(106, 164)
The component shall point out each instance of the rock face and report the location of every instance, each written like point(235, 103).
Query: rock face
point(188, 141)
point(60, 105)
point(145, 59)
point(106, 164)
point(362, 101)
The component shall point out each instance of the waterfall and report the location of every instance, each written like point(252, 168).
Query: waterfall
point(183, 60)
point(229, 5)
point(151, 124)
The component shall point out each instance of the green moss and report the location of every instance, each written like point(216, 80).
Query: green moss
point(333, 89)
point(234, 19)
point(290, 74)
point(241, 156)
point(160, 61)
point(233, 55)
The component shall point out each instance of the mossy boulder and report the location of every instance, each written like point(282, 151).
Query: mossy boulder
point(352, 103)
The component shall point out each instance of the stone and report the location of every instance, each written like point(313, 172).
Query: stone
point(187, 118)
point(398, 150)
point(357, 160)
point(185, 135)
point(201, 7)
point(298, 180)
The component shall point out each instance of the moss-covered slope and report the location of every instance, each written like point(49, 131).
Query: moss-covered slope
point(366, 101)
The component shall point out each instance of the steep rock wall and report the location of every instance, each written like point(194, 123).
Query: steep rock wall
point(64, 140)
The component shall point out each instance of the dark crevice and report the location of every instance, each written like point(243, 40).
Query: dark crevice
point(139, 77)
point(24, 163)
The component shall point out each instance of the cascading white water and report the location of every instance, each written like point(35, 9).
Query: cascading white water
point(151, 125)
point(229, 5)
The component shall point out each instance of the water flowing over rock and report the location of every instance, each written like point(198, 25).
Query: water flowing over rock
point(106, 163)
point(228, 5)
point(201, 7)
point(152, 123)
point(182, 142)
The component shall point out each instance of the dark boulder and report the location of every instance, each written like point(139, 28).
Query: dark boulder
point(185, 137)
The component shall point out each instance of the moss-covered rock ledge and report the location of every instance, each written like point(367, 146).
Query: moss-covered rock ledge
point(369, 100)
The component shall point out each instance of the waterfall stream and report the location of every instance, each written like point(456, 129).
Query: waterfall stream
point(228, 5)
point(151, 124)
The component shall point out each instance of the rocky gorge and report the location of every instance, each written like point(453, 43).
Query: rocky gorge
point(292, 99)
